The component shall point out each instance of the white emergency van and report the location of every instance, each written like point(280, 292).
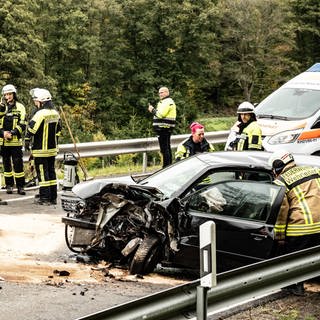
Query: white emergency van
point(290, 116)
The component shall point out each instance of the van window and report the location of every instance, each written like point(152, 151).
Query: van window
point(292, 103)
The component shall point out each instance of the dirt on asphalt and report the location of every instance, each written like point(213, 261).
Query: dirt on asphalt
point(33, 248)
point(40, 278)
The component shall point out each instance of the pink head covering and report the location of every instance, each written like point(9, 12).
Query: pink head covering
point(194, 126)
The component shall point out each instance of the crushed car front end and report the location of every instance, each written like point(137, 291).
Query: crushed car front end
point(126, 224)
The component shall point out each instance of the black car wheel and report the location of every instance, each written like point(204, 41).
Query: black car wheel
point(147, 256)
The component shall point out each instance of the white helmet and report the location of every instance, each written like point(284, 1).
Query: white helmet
point(279, 160)
point(245, 107)
point(40, 94)
point(9, 88)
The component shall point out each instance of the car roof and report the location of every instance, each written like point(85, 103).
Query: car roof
point(252, 158)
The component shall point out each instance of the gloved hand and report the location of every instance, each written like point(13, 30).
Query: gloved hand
point(27, 145)
point(3, 101)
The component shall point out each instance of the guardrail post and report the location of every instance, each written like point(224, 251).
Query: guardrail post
point(202, 302)
point(208, 273)
point(144, 162)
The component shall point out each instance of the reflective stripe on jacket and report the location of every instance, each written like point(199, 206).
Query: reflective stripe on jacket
point(165, 114)
point(13, 119)
point(188, 148)
point(44, 128)
point(250, 138)
point(300, 212)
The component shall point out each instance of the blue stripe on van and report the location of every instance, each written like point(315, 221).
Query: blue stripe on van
point(314, 68)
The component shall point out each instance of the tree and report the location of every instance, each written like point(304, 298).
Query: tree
point(256, 40)
point(71, 44)
point(307, 16)
point(146, 44)
point(20, 46)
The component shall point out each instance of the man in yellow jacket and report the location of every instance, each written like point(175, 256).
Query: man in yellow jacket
point(41, 138)
point(164, 120)
point(298, 223)
point(248, 132)
point(12, 129)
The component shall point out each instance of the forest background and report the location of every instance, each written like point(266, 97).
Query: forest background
point(104, 60)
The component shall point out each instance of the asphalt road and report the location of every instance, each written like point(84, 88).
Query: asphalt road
point(40, 278)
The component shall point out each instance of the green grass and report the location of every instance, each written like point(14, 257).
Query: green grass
point(217, 123)
point(111, 171)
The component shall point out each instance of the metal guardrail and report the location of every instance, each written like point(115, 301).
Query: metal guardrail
point(233, 287)
point(117, 147)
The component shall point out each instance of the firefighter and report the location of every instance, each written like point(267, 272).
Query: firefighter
point(164, 120)
point(248, 135)
point(42, 139)
point(298, 223)
point(196, 143)
point(12, 129)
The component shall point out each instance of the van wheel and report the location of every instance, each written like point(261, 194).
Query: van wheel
point(147, 256)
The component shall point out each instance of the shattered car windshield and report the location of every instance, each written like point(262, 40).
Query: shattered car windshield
point(173, 178)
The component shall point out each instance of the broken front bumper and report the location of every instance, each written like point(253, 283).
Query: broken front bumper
point(83, 232)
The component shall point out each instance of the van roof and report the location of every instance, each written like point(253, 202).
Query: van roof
point(314, 68)
point(309, 79)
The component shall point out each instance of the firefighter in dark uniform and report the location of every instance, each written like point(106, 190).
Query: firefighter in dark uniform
point(298, 223)
point(196, 143)
point(12, 129)
point(42, 138)
point(248, 135)
point(164, 120)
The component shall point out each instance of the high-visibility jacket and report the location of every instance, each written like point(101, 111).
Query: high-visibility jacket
point(188, 148)
point(250, 138)
point(13, 119)
point(300, 212)
point(44, 128)
point(164, 115)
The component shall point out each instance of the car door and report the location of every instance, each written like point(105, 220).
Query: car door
point(244, 212)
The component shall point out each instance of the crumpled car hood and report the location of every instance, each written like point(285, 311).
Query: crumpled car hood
point(92, 190)
point(87, 189)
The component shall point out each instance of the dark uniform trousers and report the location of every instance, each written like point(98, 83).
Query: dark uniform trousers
point(302, 242)
point(164, 135)
point(14, 153)
point(47, 177)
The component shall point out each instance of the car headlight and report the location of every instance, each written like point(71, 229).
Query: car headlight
point(81, 204)
point(285, 137)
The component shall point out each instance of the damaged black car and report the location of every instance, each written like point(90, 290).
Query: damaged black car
point(155, 221)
